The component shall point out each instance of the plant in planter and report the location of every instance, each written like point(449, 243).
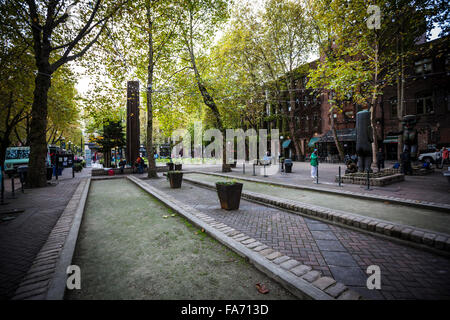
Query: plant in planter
point(77, 167)
point(178, 166)
point(175, 178)
point(170, 165)
point(229, 193)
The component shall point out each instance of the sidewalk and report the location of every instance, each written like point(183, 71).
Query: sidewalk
point(335, 251)
point(432, 188)
point(22, 237)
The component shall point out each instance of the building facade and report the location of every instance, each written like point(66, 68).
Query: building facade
point(426, 95)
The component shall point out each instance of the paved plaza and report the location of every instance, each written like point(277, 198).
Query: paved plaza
point(338, 253)
point(433, 187)
point(343, 254)
point(22, 237)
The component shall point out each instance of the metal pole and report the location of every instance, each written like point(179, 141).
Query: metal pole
point(243, 167)
point(56, 168)
point(254, 173)
point(73, 172)
point(339, 176)
point(368, 179)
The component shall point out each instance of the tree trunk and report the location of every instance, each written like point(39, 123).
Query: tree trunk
point(4, 144)
point(36, 174)
point(209, 101)
point(298, 151)
point(400, 95)
point(335, 138)
point(373, 108)
point(149, 141)
point(374, 133)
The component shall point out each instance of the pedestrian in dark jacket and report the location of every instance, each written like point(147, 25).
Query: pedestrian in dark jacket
point(380, 159)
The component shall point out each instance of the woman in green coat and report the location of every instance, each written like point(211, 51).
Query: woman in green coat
point(314, 164)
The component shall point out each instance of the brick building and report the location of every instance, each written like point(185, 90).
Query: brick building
point(427, 95)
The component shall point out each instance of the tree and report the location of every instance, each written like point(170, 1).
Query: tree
point(136, 45)
point(55, 42)
point(110, 137)
point(201, 18)
point(16, 72)
point(289, 39)
point(357, 60)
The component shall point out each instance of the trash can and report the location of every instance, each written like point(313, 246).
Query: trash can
point(288, 165)
point(178, 167)
point(170, 165)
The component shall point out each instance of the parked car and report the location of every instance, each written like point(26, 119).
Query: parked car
point(19, 156)
point(429, 156)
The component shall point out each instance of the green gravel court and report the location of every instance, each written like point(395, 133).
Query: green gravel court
point(131, 246)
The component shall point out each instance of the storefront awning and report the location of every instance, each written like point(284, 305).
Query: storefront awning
point(343, 135)
point(313, 141)
point(391, 139)
point(286, 144)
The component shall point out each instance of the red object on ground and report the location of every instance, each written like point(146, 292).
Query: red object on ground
point(110, 172)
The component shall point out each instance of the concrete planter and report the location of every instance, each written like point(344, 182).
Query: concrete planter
point(229, 195)
point(175, 179)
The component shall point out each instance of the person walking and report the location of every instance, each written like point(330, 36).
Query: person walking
point(380, 159)
point(444, 156)
point(122, 164)
point(314, 164)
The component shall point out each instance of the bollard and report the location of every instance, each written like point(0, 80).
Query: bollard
point(2, 192)
point(73, 172)
point(340, 176)
point(243, 167)
point(56, 169)
point(254, 173)
point(368, 179)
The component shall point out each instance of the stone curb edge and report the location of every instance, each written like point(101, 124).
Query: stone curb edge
point(46, 278)
point(57, 285)
point(299, 279)
point(438, 242)
point(406, 202)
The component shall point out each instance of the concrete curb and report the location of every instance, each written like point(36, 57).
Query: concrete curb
point(300, 280)
point(46, 279)
point(57, 285)
point(422, 238)
point(366, 196)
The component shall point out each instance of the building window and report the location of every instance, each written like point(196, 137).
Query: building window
point(315, 120)
point(394, 110)
point(424, 103)
point(423, 66)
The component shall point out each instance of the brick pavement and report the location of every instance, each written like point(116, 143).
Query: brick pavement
point(433, 187)
point(23, 237)
point(344, 254)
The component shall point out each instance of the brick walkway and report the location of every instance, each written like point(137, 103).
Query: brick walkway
point(433, 187)
point(344, 254)
point(22, 238)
